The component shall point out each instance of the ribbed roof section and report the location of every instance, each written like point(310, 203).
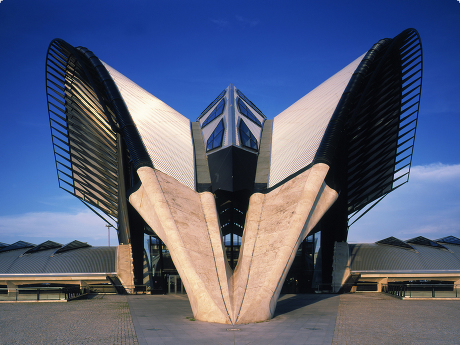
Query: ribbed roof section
point(82, 260)
point(298, 130)
point(377, 257)
point(17, 245)
point(166, 134)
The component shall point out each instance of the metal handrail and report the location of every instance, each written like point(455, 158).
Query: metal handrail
point(40, 293)
point(410, 290)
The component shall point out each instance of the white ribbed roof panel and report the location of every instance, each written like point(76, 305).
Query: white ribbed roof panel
point(298, 130)
point(166, 134)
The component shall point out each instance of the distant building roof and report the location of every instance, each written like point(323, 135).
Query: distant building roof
point(392, 254)
point(449, 239)
point(17, 245)
point(53, 258)
point(423, 241)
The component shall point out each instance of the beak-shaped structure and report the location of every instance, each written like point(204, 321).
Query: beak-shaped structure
point(319, 165)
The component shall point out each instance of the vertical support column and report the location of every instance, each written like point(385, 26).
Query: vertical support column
point(130, 224)
point(123, 219)
point(334, 228)
point(12, 289)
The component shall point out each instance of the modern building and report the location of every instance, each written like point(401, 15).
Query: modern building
point(234, 195)
point(50, 264)
point(419, 265)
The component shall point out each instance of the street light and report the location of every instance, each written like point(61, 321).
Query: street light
point(108, 230)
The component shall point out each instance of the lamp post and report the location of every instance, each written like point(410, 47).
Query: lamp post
point(108, 230)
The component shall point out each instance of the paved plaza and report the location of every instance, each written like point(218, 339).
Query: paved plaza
point(360, 318)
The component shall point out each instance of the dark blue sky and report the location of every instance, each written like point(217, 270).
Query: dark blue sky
point(186, 52)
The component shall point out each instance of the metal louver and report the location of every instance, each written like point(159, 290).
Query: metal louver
point(82, 130)
point(381, 132)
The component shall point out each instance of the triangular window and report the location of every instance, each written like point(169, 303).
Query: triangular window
point(215, 113)
point(216, 138)
point(396, 242)
point(243, 109)
point(246, 137)
point(449, 239)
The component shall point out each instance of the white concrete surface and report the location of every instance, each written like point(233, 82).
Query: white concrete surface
point(276, 223)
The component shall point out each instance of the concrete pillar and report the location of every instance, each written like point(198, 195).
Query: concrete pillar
point(381, 282)
point(125, 269)
point(340, 269)
point(276, 224)
point(12, 289)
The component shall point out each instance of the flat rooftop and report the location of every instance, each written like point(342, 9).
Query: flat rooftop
point(360, 318)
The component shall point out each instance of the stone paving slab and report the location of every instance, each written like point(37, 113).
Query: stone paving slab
point(101, 319)
point(360, 318)
point(375, 318)
point(299, 319)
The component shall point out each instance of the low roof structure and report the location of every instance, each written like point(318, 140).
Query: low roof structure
point(74, 263)
point(394, 260)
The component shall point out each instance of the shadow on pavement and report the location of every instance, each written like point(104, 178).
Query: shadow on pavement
point(289, 303)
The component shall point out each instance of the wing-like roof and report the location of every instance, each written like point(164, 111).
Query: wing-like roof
point(299, 130)
point(166, 134)
point(360, 122)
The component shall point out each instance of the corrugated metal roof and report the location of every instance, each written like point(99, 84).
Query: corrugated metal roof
point(82, 260)
point(298, 130)
point(17, 245)
point(166, 134)
point(423, 241)
point(393, 241)
point(449, 239)
point(44, 246)
point(72, 246)
point(380, 257)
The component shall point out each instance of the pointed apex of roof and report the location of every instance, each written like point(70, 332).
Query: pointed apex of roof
point(423, 241)
point(44, 246)
point(449, 239)
point(71, 246)
point(213, 103)
point(396, 242)
point(242, 96)
point(17, 245)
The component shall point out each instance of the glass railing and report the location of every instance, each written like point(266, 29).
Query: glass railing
point(39, 293)
point(423, 290)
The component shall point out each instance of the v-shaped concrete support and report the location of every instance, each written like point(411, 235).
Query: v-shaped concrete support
point(276, 223)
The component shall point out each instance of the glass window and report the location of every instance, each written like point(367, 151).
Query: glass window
point(215, 113)
point(246, 137)
point(216, 138)
point(243, 109)
point(222, 94)
point(250, 103)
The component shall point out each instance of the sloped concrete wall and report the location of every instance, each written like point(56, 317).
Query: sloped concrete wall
point(276, 224)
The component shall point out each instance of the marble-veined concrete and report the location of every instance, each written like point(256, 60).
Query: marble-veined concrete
point(276, 223)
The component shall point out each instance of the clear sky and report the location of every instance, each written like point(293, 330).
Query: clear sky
point(185, 53)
